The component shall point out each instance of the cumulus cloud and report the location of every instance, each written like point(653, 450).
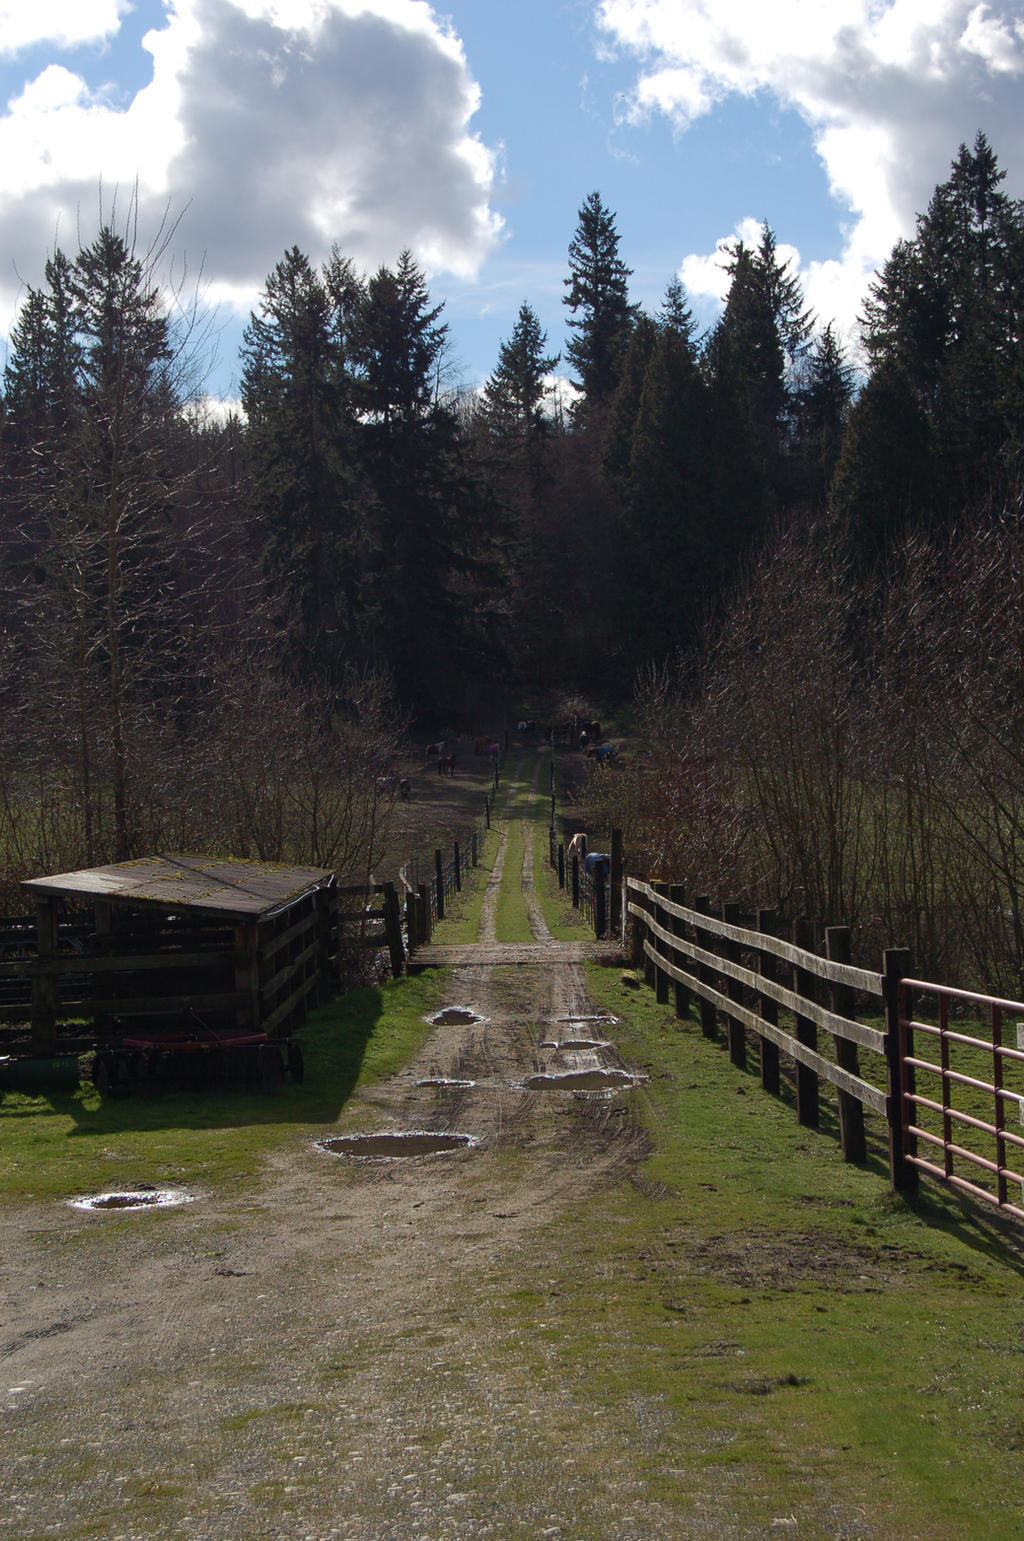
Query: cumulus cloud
point(888, 88)
point(66, 22)
point(267, 123)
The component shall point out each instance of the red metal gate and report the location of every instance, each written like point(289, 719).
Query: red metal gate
point(962, 1090)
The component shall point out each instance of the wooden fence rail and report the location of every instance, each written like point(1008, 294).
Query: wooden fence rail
point(772, 995)
point(750, 978)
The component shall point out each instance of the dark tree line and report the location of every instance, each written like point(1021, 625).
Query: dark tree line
point(365, 517)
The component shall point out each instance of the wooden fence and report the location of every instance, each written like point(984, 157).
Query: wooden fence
point(773, 997)
point(596, 892)
point(179, 963)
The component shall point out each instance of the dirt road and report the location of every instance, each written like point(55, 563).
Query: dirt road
point(331, 1356)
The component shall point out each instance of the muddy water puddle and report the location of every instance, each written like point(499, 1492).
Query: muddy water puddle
point(580, 1080)
point(443, 1083)
point(602, 1021)
point(576, 1044)
point(398, 1144)
point(139, 1198)
point(456, 1016)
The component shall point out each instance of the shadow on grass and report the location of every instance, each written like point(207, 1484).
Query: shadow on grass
point(335, 1040)
point(991, 1232)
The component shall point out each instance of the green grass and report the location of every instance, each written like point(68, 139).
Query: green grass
point(849, 1341)
point(58, 1145)
point(462, 921)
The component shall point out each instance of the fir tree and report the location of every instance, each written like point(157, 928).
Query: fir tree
point(946, 310)
point(598, 299)
point(514, 395)
point(306, 488)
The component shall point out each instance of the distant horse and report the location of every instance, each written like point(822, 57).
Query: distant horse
point(446, 765)
point(577, 847)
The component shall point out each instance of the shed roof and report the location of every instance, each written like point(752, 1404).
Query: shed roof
point(209, 885)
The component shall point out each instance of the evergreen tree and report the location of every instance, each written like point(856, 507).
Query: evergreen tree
point(884, 482)
point(306, 488)
point(399, 347)
point(434, 526)
point(598, 299)
point(518, 442)
point(946, 310)
point(822, 408)
point(672, 545)
point(762, 334)
point(624, 408)
point(513, 396)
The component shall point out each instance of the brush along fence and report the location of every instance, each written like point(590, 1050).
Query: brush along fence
point(941, 1078)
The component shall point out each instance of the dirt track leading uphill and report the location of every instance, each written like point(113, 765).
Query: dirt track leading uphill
point(330, 1357)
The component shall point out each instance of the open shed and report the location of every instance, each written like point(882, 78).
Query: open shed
point(181, 948)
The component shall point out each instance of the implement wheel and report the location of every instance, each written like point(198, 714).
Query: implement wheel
point(271, 1067)
point(104, 1074)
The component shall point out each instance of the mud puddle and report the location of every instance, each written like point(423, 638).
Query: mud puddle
point(414, 1143)
point(456, 1016)
point(579, 1080)
point(140, 1198)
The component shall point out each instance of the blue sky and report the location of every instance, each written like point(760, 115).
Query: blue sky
point(472, 132)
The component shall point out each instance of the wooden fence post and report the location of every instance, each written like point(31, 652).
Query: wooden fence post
point(702, 904)
point(327, 907)
point(736, 1033)
point(902, 1175)
point(247, 975)
point(661, 979)
point(615, 897)
point(561, 865)
point(439, 878)
point(649, 966)
point(677, 894)
point(807, 1110)
point(636, 932)
point(600, 902)
point(575, 882)
point(412, 929)
point(769, 1008)
point(423, 919)
point(458, 869)
point(44, 986)
point(393, 929)
point(851, 1109)
point(487, 812)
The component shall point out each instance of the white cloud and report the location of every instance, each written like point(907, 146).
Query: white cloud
point(67, 22)
point(271, 123)
point(888, 88)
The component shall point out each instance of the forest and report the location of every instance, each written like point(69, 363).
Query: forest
point(797, 569)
